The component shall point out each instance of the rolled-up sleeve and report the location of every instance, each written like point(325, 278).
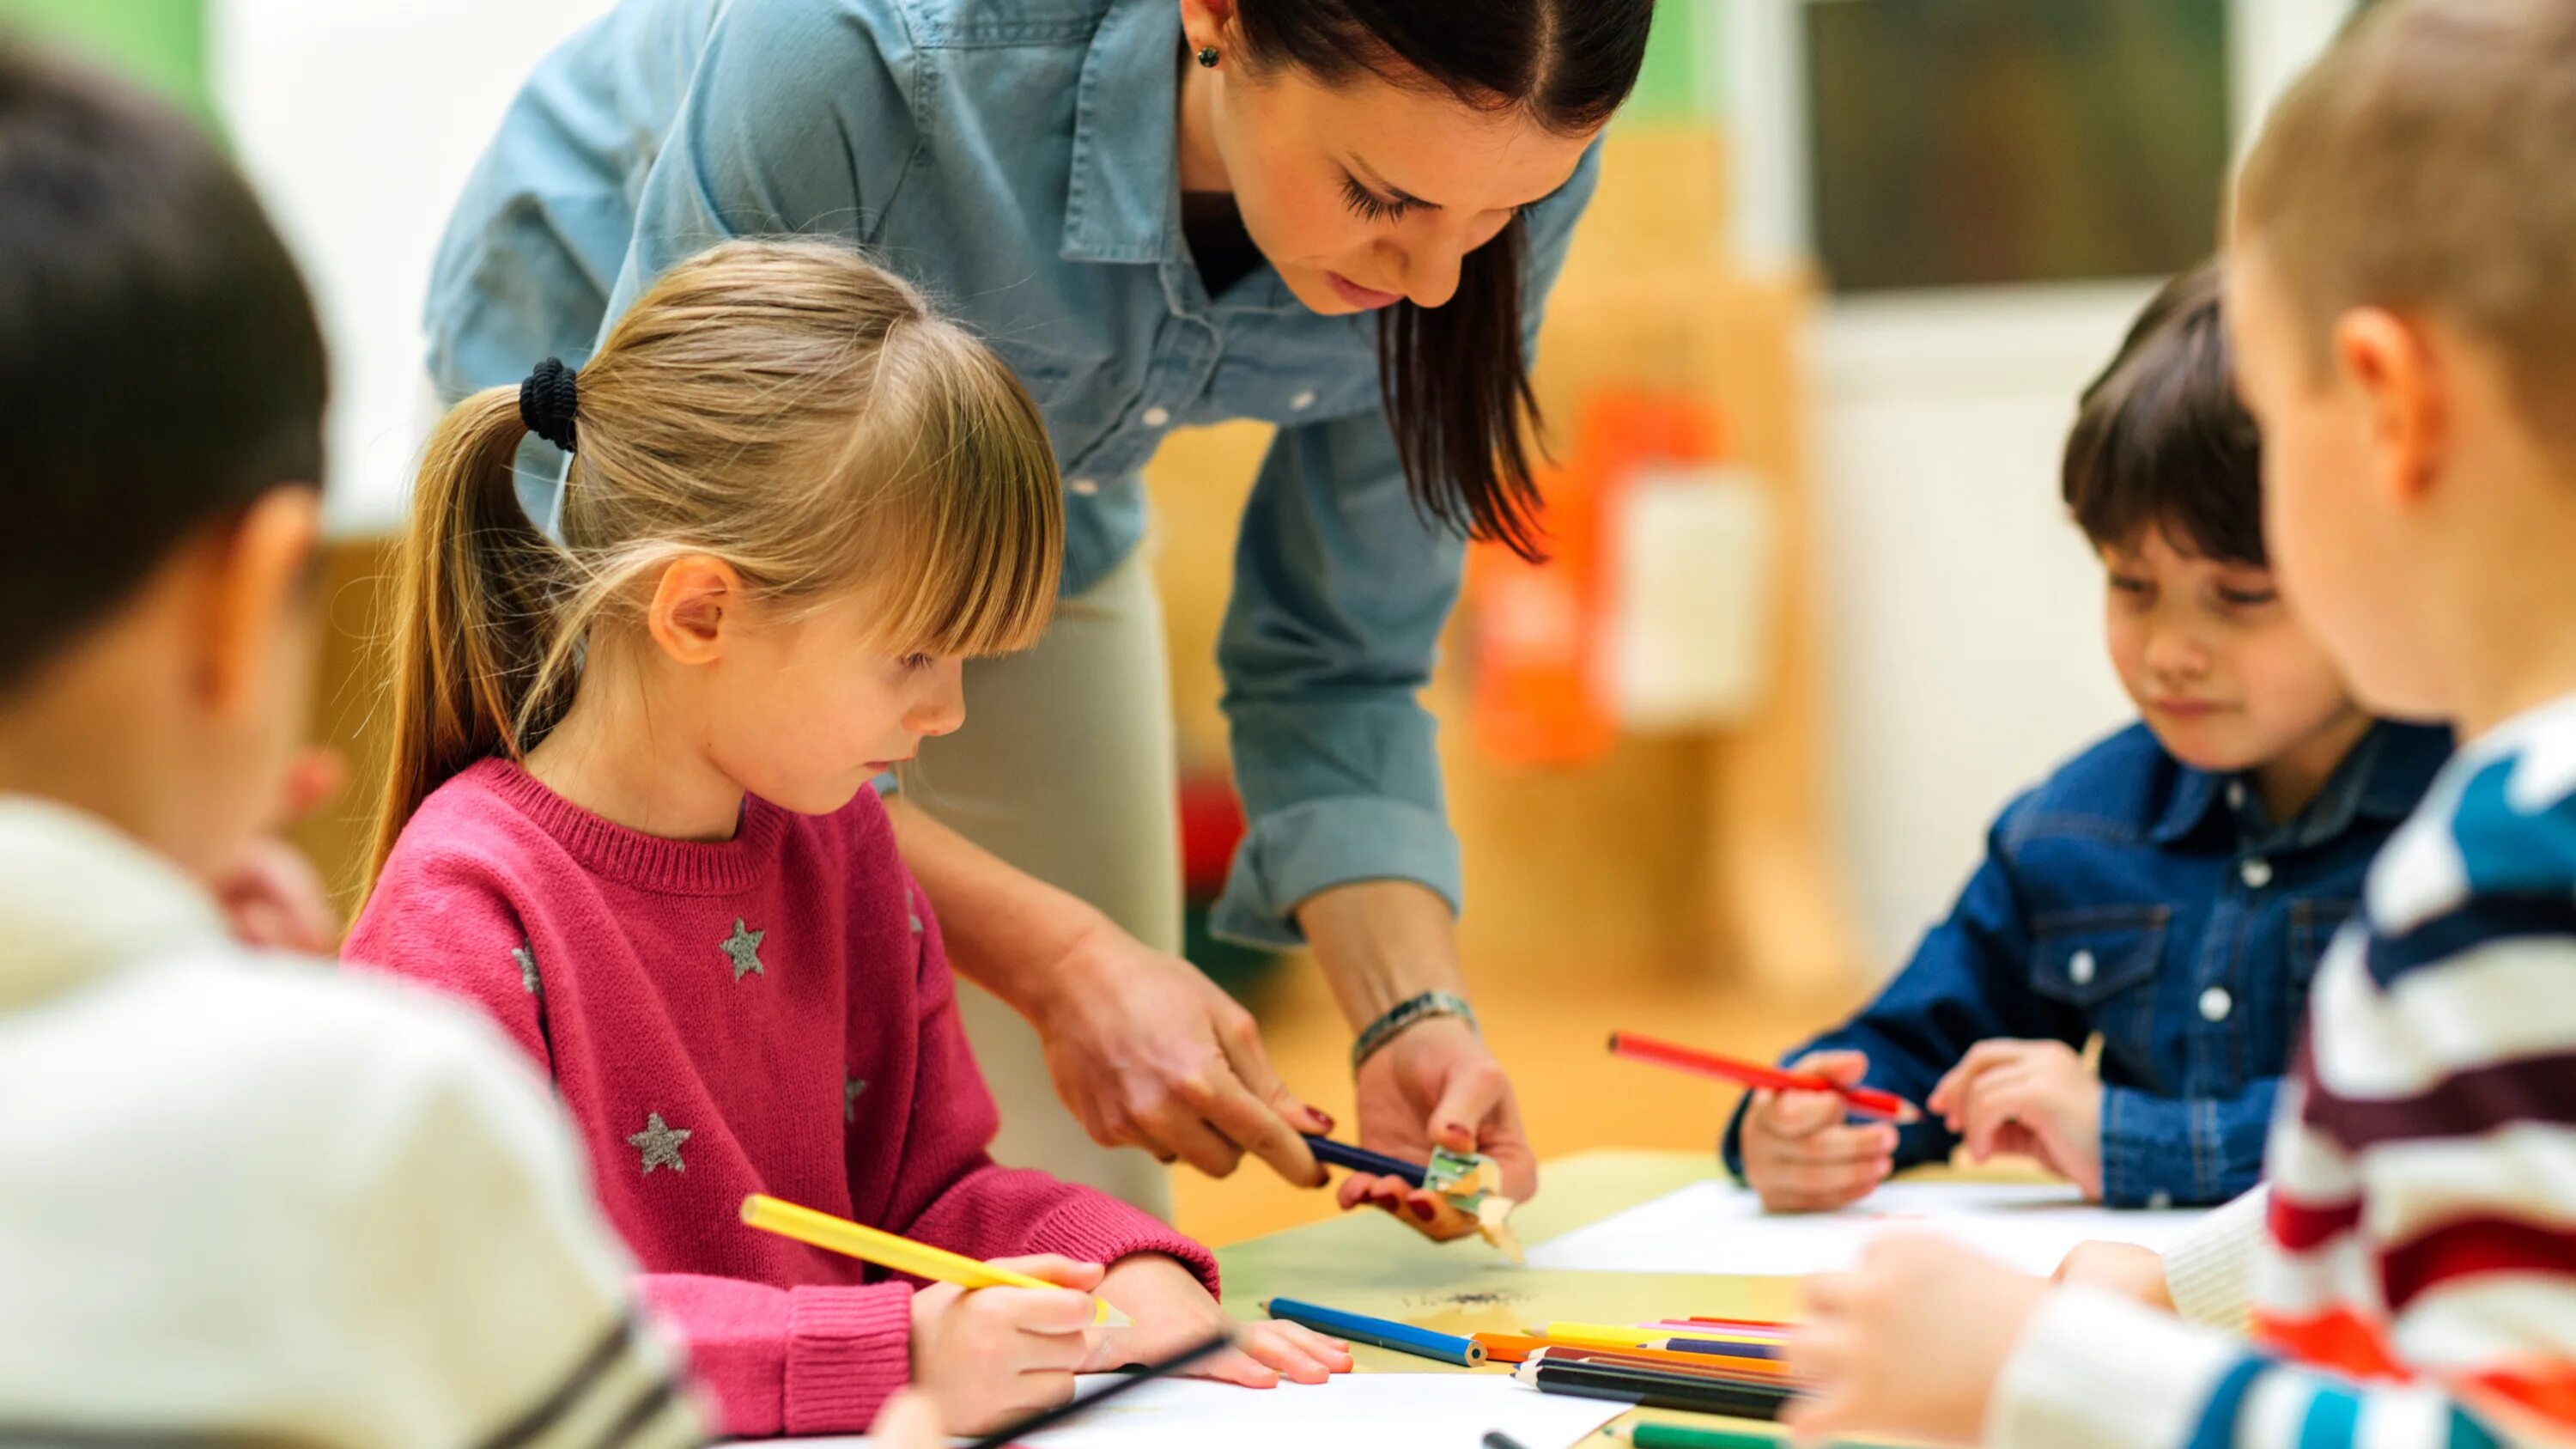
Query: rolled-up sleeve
point(1341, 589)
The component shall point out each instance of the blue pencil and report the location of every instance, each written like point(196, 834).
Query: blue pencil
point(1360, 1159)
point(1360, 1328)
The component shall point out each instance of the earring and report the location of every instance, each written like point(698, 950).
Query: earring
point(1208, 56)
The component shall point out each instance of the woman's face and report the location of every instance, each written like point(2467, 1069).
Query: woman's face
point(1366, 193)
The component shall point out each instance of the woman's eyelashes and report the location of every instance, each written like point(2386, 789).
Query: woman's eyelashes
point(1368, 205)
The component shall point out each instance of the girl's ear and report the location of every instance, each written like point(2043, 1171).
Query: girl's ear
point(695, 601)
point(258, 573)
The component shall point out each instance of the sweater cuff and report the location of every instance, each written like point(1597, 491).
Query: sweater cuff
point(2210, 1270)
point(848, 1350)
point(1093, 1227)
point(2092, 1368)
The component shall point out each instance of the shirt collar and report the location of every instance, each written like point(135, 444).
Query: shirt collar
point(1121, 200)
point(2381, 779)
point(78, 900)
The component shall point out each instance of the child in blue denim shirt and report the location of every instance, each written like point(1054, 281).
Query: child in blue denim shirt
point(2171, 889)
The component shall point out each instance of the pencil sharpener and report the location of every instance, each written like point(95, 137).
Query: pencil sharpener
point(1471, 1183)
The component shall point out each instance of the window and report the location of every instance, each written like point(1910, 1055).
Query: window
point(1974, 142)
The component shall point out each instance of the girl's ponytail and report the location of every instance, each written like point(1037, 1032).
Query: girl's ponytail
point(475, 587)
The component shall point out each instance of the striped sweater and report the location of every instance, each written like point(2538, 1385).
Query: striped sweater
point(2418, 1285)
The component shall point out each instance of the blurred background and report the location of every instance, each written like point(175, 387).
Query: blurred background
point(1814, 615)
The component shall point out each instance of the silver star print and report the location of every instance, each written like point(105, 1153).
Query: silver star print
point(527, 960)
point(744, 947)
point(660, 1144)
point(850, 1091)
point(916, 919)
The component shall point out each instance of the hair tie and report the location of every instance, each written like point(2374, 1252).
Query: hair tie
point(550, 403)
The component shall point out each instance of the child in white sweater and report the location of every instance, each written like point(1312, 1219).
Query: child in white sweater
point(246, 1199)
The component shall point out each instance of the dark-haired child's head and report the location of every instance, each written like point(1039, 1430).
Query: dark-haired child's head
point(2163, 472)
point(162, 381)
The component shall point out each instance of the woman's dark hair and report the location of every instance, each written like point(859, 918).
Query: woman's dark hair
point(2161, 440)
point(160, 365)
point(1456, 378)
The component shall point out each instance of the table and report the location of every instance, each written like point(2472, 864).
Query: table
point(1369, 1263)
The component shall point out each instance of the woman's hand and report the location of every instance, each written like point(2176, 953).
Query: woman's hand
point(1910, 1345)
point(1148, 1052)
point(1435, 1083)
point(1173, 1311)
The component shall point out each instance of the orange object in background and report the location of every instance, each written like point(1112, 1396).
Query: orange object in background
point(1539, 641)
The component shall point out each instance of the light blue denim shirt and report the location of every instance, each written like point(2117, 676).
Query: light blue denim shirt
point(1015, 159)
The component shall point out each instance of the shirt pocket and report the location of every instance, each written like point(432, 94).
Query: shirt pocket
point(2102, 962)
point(2313, 925)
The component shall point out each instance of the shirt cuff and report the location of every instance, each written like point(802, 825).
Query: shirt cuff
point(1094, 1227)
point(2210, 1270)
point(2091, 1368)
point(1291, 855)
point(848, 1350)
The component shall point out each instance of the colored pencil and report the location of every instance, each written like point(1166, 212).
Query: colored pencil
point(1656, 1390)
point(903, 1255)
point(1738, 1322)
point(1612, 1335)
point(1731, 1370)
point(1675, 1436)
point(1360, 1159)
point(1727, 1347)
point(1384, 1333)
point(1133, 1380)
point(1497, 1439)
point(1862, 1101)
point(1515, 1347)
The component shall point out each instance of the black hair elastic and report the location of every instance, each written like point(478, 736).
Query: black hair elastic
point(550, 403)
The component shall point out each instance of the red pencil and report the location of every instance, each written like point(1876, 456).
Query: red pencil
point(1864, 1101)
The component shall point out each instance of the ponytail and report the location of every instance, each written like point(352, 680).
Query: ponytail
point(478, 662)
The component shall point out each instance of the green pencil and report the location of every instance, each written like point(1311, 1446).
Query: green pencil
point(1673, 1436)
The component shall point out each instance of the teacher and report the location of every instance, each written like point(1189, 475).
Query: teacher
point(1337, 216)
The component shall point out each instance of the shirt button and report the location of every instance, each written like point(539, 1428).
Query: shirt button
point(2235, 794)
point(2160, 1200)
point(1303, 400)
point(2215, 1003)
point(2256, 873)
point(2079, 968)
point(1083, 486)
point(1157, 417)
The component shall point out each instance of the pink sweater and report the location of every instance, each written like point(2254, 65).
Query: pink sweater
point(772, 1013)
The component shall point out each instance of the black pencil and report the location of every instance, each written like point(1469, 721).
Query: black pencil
point(1655, 1390)
point(1049, 1418)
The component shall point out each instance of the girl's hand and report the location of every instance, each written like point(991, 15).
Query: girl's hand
point(991, 1355)
point(909, 1420)
point(2036, 1097)
point(1437, 1083)
point(1172, 1311)
point(1802, 1156)
point(1910, 1345)
point(270, 894)
point(2131, 1271)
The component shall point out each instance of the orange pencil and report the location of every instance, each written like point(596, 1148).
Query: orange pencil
point(1516, 1347)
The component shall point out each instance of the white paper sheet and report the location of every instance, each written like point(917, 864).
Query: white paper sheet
point(1717, 1227)
point(1353, 1411)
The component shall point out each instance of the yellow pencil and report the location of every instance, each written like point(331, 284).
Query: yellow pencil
point(1607, 1335)
point(886, 1250)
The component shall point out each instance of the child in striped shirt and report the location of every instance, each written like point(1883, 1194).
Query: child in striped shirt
point(2404, 309)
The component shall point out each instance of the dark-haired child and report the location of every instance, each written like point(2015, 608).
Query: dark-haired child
point(2170, 890)
point(249, 1199)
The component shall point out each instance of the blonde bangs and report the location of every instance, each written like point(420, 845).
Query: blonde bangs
point(966, 545)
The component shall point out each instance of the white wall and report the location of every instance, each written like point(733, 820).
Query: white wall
point(1961, 609)
point(358, 120)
